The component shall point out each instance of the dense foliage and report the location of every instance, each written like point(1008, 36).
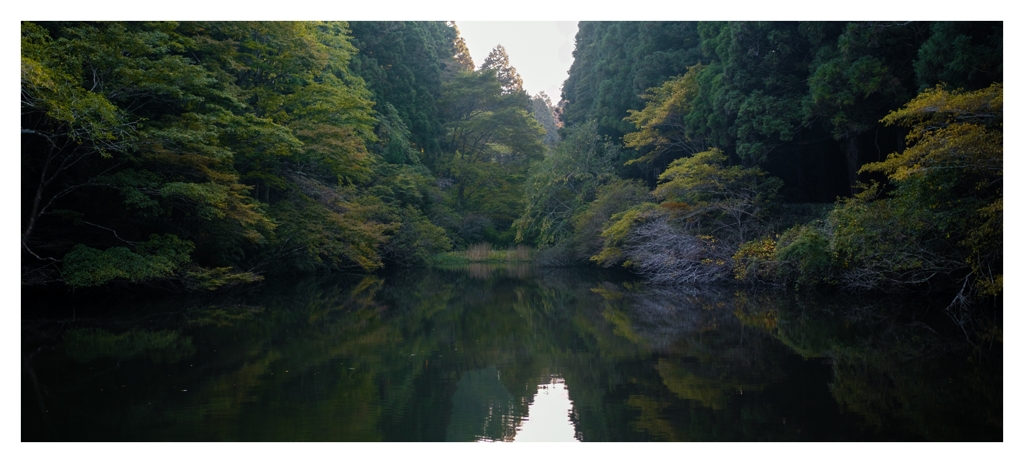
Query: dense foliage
point(802, 100)
point(194, 155)
point(197, 155)
point(732, 129)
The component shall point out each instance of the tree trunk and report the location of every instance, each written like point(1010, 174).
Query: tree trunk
point(852, 162)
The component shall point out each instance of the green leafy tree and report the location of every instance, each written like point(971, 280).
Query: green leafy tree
point(617, 61)
point(393, 138)
point(858, 76)
point(544, 111)
point(296, 77)
point(211, 133)
point(964, 55)
point(404, 64)
point(121, 134)
point(492, 140)
point(507, 75)
point(562, 183)
point(753, 97)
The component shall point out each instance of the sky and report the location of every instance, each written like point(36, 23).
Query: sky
point(541, 51)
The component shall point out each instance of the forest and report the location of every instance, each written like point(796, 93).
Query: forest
point(192, 156)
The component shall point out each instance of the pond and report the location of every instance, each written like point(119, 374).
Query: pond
point(495, 353)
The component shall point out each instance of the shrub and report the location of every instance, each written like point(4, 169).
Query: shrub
point(725, 201)
point(803, 256)
point(447, 259)
point(415, 240)
point(666, 253)
point(754, 261)
point(587, 224)
point(159, 258)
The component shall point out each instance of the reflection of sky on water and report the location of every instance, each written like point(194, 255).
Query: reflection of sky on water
point(483, 411)
point(548, 420)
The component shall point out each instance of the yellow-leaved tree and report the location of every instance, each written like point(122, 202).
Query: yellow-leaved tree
point(944, 216)
point(661, 125)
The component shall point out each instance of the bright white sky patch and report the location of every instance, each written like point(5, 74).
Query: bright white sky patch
point(540, 51)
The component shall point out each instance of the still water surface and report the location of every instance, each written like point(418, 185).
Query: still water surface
point(503, 354)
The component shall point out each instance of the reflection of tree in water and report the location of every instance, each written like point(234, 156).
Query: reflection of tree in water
point(899, 375)
point(481, 408)
point(664, 315)
point(704, 356)
point(483, 271)
point(415, 356)
point(164, 346)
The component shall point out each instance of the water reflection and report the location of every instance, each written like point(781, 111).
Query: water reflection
point(548, 420)
point(490, 354)
point(484, 271)
point(481, 408)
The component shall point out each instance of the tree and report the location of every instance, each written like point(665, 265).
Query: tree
point(544, 111)
point(200, 153)
point(964, 55)
point(661, 124)
point(296, 79)
point(562, 184)
point(750, 102)
point(617, 61)
point(707, 211)
point(491, 140)
point(725, 202)
point(497, 61)
point(404, 64)
point(858, 76)
point(70, 123)
point(462, 61)
point(121, 134)
point(944, 216)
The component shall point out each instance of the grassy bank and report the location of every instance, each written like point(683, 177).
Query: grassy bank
point(482, 253)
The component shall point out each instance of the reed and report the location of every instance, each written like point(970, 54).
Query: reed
point(482, 253)
point(520, 253)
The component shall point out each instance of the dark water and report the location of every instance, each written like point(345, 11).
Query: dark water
point(503, 354)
